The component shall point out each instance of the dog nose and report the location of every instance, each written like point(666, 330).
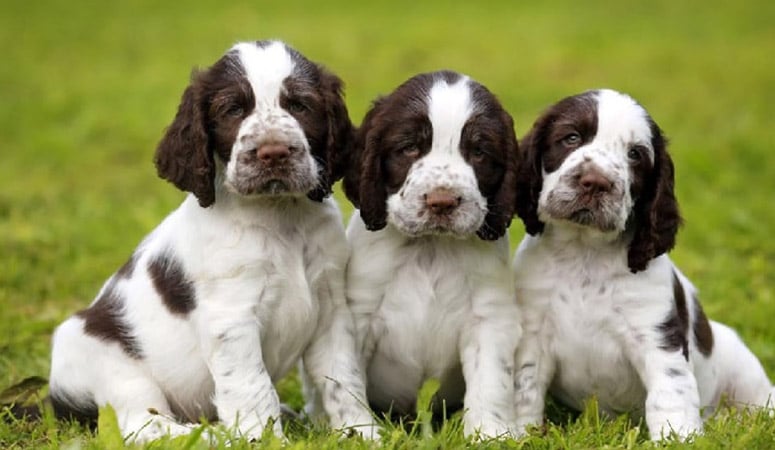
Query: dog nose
point(441, 201)
point(593, 181)
point(273, 153)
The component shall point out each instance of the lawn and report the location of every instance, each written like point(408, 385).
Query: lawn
point(86, 89)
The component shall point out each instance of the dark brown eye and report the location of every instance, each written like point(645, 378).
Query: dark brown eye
point(478, 154)
point(411, 151)
point(235, 110)
point(296, 106)
point(635, 154)
point(571, 140)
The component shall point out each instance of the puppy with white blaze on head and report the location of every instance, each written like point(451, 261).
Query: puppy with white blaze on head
point(428, 281)
point(244, 279)
point(606, 314)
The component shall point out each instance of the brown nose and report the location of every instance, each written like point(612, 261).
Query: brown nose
point(273, 153)
point(592, 181)
point(441, 201)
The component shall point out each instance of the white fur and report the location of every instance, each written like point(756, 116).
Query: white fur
point(436, 305)
point(268, 273)
point(591, 327)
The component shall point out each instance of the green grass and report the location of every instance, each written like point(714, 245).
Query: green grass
point(86, 89)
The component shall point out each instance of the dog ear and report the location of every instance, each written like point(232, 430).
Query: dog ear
point(656, 217)
point(363, 183)
point(500, 206)
point(183, 156)
point(530, 174)
point(339, 135)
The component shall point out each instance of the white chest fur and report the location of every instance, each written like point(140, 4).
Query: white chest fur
point(413, 299)
point(585, 309)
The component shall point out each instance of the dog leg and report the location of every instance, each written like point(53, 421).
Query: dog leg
point(534, 372)
point(333, 367)
point(488, 347)
point(673, 400)
point(244, 394)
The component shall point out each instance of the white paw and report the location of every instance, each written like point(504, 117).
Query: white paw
point(488, 429)
point(369, 430)
point(681, 426)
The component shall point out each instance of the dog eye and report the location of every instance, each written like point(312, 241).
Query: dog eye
point(571, 140)
point(235, 110)
point(635, 153)
point(296, 106)
point(411, 151)
point(478, 154)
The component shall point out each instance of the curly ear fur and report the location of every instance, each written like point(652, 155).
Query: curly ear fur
point(656, 217)
point(183, 156)
point(530, 176)
point(500, 206)
point(339, 138)
point(362, 179)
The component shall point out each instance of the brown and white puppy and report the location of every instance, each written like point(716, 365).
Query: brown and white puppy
point(605, 311)
point(428, 279)
point(244, 279)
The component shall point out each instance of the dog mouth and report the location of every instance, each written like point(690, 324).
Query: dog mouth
point(582, 216)
point(594, 212)
point(274, 187)
point(593, 218)
point(435, 226)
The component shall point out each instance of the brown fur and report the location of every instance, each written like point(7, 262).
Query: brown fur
point(656, 218)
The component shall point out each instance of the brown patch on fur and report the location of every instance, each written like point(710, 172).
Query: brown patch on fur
point(170, 281)
point(104, 320)
point(129, 267)
point(703, 334)
point(83, 411)
point(675, 328)
point(655, 217)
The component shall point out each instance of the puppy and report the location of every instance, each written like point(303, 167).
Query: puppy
point(244, 279)
point(605, 311)
point(428, 279)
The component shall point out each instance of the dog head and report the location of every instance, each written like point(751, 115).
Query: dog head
point(598, 160)
point(263, 120)
point(436, 156)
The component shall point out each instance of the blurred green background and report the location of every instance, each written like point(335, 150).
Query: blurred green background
point(87, 88)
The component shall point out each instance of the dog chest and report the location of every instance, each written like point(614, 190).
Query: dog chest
point(417, 328)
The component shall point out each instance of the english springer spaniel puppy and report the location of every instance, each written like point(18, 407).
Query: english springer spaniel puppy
point(243, 279)
point(605, 312)
point(428, 278)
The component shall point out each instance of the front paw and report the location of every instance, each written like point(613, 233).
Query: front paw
point(253, 430)
point(523, 426)
point(680, 425)
point(487, 428)
point(369, 430)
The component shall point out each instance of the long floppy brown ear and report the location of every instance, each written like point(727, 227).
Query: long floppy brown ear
point(363, 183)
point(500, 206)
point(339, 136)
point(530, 175)
point(183, 156)
point(656, 216)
